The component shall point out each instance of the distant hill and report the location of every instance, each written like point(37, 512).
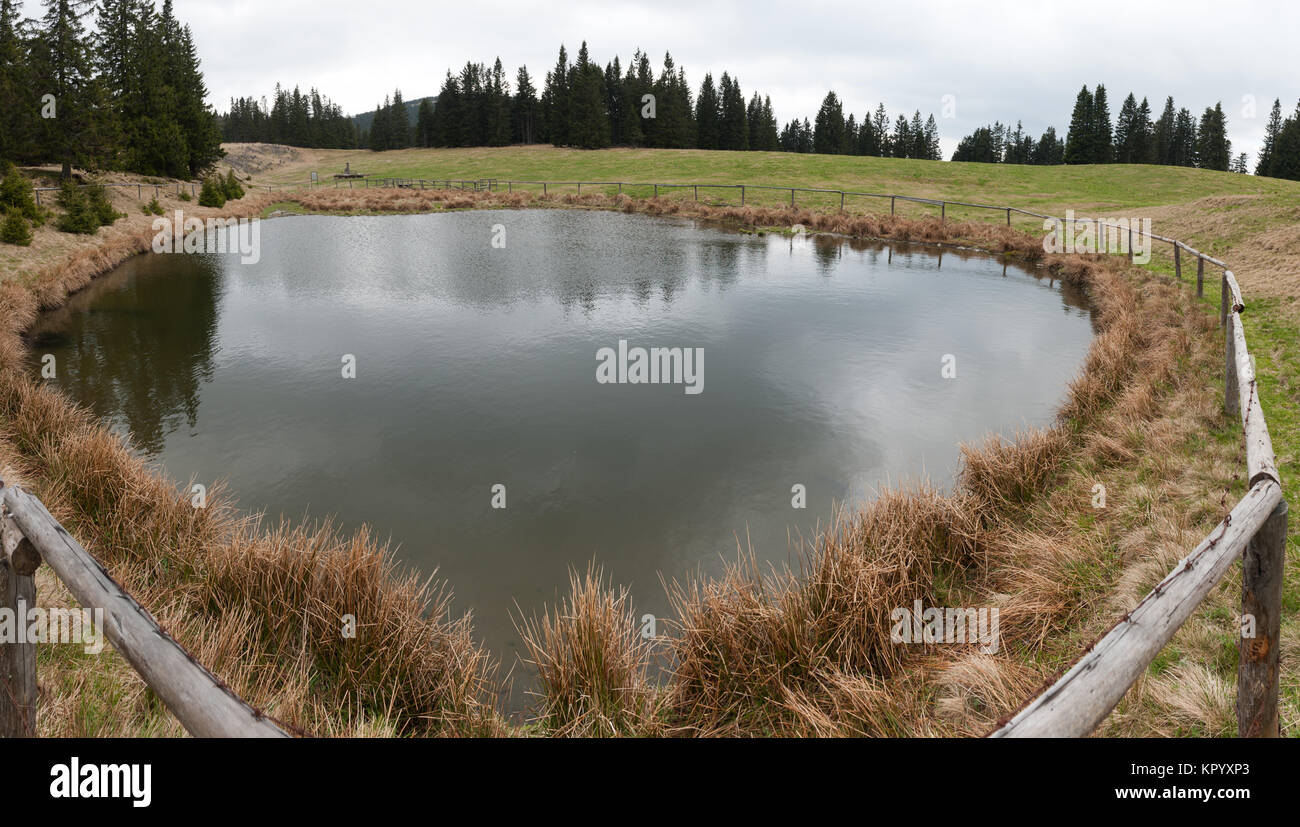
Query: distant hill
point(365, 119)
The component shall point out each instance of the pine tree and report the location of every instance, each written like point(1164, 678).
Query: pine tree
point(880, 128)
point(1271, 132)
point(588, 121)
point(828, 127)
point(399, 124)
point(1079, 140)
point(932, 150)
point(524, 116)
point(708, 115)
point(17, 124)
point(1213, 149)
point(1286, 150)
point(61, 61)
point(1183, 143)
point(733, 133)
point(555, 101)
point(424, 124)
point(1050, 150)
point(1163, 135)
point(1125, 125)
point(614, 102)
point(1103, 147)
point(379, 131)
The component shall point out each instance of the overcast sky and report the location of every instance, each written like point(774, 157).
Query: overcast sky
point(999, 60)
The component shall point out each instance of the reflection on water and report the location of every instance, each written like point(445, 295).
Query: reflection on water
point(476, 367)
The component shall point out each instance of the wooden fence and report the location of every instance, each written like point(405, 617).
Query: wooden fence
point(204, 705)
point(1254, 530)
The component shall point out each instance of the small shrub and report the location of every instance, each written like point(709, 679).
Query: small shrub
point(213, 193)
point(14, 230)
point(153, 208)
point(16, 192)
point(78, 214)
point(97, 195)
point(185, 196)
point(231, 186)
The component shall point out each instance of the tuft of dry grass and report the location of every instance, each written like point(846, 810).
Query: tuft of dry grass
point(591, 662)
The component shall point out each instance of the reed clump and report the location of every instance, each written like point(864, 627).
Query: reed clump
point(591, 662)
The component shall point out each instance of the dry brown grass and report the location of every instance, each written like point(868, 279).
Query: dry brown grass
point(591, 662)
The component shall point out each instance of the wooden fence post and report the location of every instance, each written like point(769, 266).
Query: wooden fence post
point(792, 196)
point(1200, 276)
point(1178, 261)
point(742, 195)
point(1008, 216)
point(891, 205)
point(1261, 600)
point(1130, 244)
point(697, 192)
point(1223, 304)
point(943, 211)
point(841, 202)
point(1230, 400)
point(19, 560)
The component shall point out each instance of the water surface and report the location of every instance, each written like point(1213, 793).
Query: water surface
point(476, 366)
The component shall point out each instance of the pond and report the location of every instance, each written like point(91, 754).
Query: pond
point(479, 340)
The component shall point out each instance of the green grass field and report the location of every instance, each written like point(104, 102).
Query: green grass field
point(1033, 188)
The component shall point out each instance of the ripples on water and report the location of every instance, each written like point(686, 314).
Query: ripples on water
point(476, 366)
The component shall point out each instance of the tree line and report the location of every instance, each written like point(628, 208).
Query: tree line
point(1176, 138)
point(131, 96)
point(1280, 155)
point(584, 105)
point(581, 104)
point(293, 118)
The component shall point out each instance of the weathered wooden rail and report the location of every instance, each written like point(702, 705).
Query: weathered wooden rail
point(204, 705)
point(1254, 530)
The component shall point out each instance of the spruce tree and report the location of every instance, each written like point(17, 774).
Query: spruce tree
point(1079, 140)
point(1271, 131)
point(733, 133)
point(61, 60)
point(1163, 135)
point(17, 120)
point(555, 101)
point(828, 127)
point(1213, 149)
point(1103, 147)
point(588, 120)
point(708, 115)
point(1286, 150)
point(524, 109)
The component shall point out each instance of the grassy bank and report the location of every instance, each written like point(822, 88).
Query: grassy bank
point(795, 653)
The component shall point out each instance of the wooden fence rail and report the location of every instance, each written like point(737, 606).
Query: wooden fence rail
point(1254, 530)
point(204, 705)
